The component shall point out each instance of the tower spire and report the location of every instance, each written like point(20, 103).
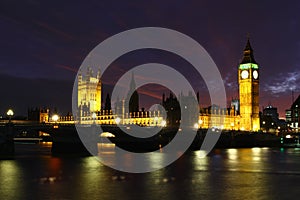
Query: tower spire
point(248, 53)
point(249, 90)
point(132, 96)
point(132, 82)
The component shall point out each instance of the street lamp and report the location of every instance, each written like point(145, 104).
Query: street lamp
point(232, 125)
point(155, 120)
point(118, 120)
point(94, 117)
point(10, 113)
point(55, 118)
point(200, 121)
point(163, 123)
point(196, 126)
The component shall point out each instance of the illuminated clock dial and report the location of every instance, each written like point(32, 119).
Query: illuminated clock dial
point(244, 74)
point(255, 74)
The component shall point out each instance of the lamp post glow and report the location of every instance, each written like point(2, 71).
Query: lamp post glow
point(196, 126)
point(118, 120)
point(155, 120)
point(10, 113)
point(163, 123)
point(55, 118)
point(232, 125)
point(94, 117)
point(200, 121)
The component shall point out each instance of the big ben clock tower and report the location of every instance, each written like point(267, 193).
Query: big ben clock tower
point(248, 73)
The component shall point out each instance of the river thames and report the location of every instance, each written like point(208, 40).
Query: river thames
point(250, 173)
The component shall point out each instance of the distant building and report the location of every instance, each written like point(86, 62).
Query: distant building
point(190, 107)
point(272, 112)
point(107, 105)
point(67, 118)
point(270, 119)
point(132, 98)
point(236, 104)
point(172, 107)
point(212, 116)
point(243, 113)
point(292, 115)
point(89, 93)
point(90, 109)
point(222, 118)
point(248, 78)
point(38, 114)
point(288, 115)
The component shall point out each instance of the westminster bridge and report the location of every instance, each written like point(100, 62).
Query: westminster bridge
point(65, 138)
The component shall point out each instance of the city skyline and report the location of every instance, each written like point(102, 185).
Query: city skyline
point(43, 46)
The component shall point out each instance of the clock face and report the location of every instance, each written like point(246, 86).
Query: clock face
point(255, 74)
point(244, 74)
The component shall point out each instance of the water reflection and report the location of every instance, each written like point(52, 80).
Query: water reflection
point(106, 148)
point(250, 159)
point(200, 160)
point(112, 156)
point(256, 154)
point(232, 154)
point(253, 173)
point(11, 180)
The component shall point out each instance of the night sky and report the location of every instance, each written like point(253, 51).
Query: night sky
point(43, 43)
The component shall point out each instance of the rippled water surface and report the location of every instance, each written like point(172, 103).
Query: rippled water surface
point(253, 173)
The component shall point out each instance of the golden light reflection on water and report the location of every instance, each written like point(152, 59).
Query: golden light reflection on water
point(248, 159)
point(240, 171)
point(92, 163)
point(91, 176)
point(10, 179)
point(232, 154)
point(46, 143)
point(256, 154)
point(246, 175)
point(106, 153)
point(109, 155)
point(224, 174)
point(201, 160)
point(106, 148)
point(156, 160)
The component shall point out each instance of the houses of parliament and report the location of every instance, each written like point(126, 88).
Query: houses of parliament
point(243, 113)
